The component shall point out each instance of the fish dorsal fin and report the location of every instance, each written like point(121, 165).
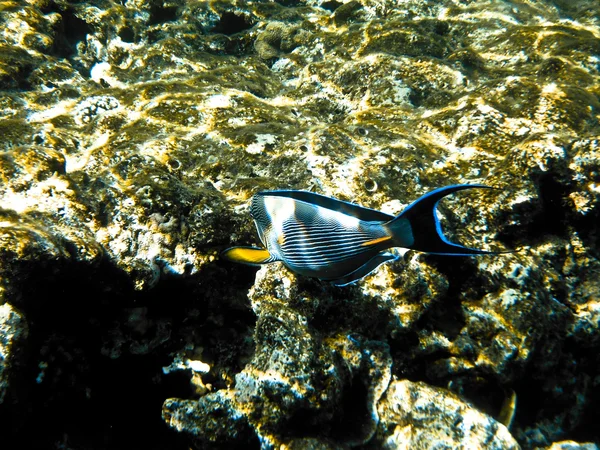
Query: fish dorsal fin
point(350, 209)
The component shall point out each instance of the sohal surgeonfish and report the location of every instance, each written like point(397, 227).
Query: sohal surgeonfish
point(341, 242)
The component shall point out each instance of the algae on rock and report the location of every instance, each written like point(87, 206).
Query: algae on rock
point(133, 135)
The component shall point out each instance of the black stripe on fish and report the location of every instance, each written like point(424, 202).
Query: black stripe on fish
point(320, 246)
point(341, 242)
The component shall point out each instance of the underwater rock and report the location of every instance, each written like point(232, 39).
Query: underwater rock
point(13, 333)
point(133, 135)
point(297, 381)
point(213, 418)
point(572, 445)
point(279, 37)
point(418, 416)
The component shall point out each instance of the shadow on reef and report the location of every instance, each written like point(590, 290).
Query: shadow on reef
point(447, 317)
point(91, 375)
point(549, 218)
point(552, 213)
point(543, 396)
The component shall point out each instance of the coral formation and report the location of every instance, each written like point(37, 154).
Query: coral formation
point(13, 333)
point(414, 415)
point(133, 134)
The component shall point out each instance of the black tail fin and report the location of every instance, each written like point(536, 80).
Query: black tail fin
point(418, 227)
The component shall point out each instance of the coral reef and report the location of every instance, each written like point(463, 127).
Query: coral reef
point(414, 415)
point(132, 136)
point(13, 333)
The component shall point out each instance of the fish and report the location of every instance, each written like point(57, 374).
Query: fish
point(341, 242)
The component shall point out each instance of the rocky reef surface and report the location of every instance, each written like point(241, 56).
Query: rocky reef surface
point(132, 136)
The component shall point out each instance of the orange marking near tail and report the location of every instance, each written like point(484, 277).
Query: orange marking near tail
point(376, 241)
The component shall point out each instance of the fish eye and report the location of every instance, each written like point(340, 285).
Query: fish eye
point(362, 131)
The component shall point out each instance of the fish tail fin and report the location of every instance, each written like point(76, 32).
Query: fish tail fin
point(247, 255)
point(418, 227)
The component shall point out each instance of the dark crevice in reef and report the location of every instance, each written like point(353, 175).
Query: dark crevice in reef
point(354, 418)
point(589, 232)
point(586, 361)
point(331, 5)
point(303, 423)
point(532, 399)
point(127, 34)
point(162, 14)
point(73, 31)
point(76, 29)
point(289, 3)
point(68, 393)
point(482, 390)
point(555, 207)
point(549, 215)
point(445, 316)
point(231, 23)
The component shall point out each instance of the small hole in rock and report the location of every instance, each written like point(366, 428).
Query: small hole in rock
point(127, 35)
point(370, 185)
point(162, 14)
point(174, 164)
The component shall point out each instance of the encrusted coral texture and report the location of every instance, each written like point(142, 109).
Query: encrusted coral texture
point(134, 133)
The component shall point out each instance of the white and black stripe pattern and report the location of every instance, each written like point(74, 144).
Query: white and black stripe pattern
point(313, 240)
point(321, 245)
point(334, 240)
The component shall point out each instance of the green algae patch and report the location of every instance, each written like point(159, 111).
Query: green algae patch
point(404, 39)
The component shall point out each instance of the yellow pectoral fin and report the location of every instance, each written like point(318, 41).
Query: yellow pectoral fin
point(376, 241)
point(247, 255)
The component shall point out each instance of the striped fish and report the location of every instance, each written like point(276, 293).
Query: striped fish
point(341, 242)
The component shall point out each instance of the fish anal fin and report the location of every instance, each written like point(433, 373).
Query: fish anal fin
point(247, 255)
point(365, 269)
